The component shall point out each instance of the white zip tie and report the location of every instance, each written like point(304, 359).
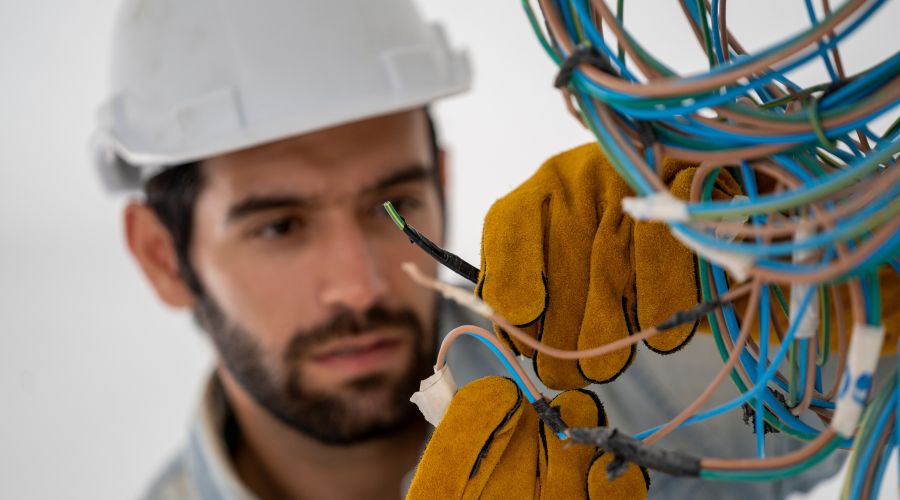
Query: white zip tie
point(660, 206)
point(737, 264)
point(865, 349)
point(809, 323)
point(725, 235)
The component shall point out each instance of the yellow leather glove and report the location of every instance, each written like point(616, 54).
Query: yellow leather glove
point(561, 258)
point(491, 444)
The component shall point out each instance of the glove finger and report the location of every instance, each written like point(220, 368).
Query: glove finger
point(665, 275)
point(571, 228)
point(565, 465)
point(514, 344)
point(633, 484)
point(515, 475)
point(469, 441)
point(607, 314)
point(512, 255)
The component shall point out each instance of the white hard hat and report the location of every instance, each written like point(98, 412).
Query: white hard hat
point(197, 78)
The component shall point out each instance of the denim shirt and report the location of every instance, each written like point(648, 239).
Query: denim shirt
point(654, 389)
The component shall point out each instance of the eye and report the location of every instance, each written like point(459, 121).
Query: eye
point(280, 228)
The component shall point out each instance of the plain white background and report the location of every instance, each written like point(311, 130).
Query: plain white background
point(97, 380)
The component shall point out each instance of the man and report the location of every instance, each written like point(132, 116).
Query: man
point(265, 137)
point(265, 146)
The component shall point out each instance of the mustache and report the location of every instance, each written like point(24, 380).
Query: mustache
point(348, 323)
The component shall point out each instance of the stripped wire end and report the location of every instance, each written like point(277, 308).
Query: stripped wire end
point(395, 216)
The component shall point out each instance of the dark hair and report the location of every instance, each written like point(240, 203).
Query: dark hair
point(172, 195)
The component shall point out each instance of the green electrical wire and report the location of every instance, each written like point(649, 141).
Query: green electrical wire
point(447, 259)
point(772, 474)
point(539, 34)
point(704, 29)
point(620, 16)
point(866, 428)
point(814, 192)
point(768, 416)
point(579, 28)
point(395, 216)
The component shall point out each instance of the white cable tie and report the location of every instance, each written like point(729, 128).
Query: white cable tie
point(809, 323)
point(661, 206)
point(725, 235)
point(862, 358)
point(737, 264)
point(435, 394)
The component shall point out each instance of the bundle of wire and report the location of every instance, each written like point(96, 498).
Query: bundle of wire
point(822, 189)
point(820, 215)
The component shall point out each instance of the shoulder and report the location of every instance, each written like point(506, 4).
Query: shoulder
point(173, 482)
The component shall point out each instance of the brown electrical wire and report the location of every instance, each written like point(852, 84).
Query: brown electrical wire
point(869, 475)
point(673, 86)
point(530, 341)
point(490, 337)
point(774, 462)
point(692, 408)
point(723, 31)
point(813, 217)
point(809, 387)
point(869, 191)
point(838, 304)
point(644, 334)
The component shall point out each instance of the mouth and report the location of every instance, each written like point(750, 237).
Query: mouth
point(359, 354)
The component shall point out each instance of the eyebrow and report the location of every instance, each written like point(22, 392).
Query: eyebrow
point(255, 204)
point(412, 173)
point(260, 203)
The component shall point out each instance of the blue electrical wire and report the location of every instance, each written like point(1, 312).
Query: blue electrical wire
point(815, 22)
point(746, 358)
point(734, 139)
point(774, 404)
point(597, 41)
point(512, 372)
point(749, 183)
point(617, 99)
point(759, 421)
point(716, 40)
point(882, 465)
point(869, 446)
point(843, 230)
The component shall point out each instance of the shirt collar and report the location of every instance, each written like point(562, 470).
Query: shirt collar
point(212, 469)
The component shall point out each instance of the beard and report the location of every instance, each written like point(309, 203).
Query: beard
point(363, 409)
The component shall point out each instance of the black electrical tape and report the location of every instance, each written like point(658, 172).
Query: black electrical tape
point(616, 467)
point(449, 260)
point(633, 450)
point(549, 416)
point(585, 54)
point(690, 315)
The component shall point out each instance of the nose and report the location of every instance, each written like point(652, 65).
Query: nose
point(351, 269)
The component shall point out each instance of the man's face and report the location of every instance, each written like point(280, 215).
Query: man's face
point(302, 289)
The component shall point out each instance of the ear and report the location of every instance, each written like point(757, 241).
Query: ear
point(151, 245)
